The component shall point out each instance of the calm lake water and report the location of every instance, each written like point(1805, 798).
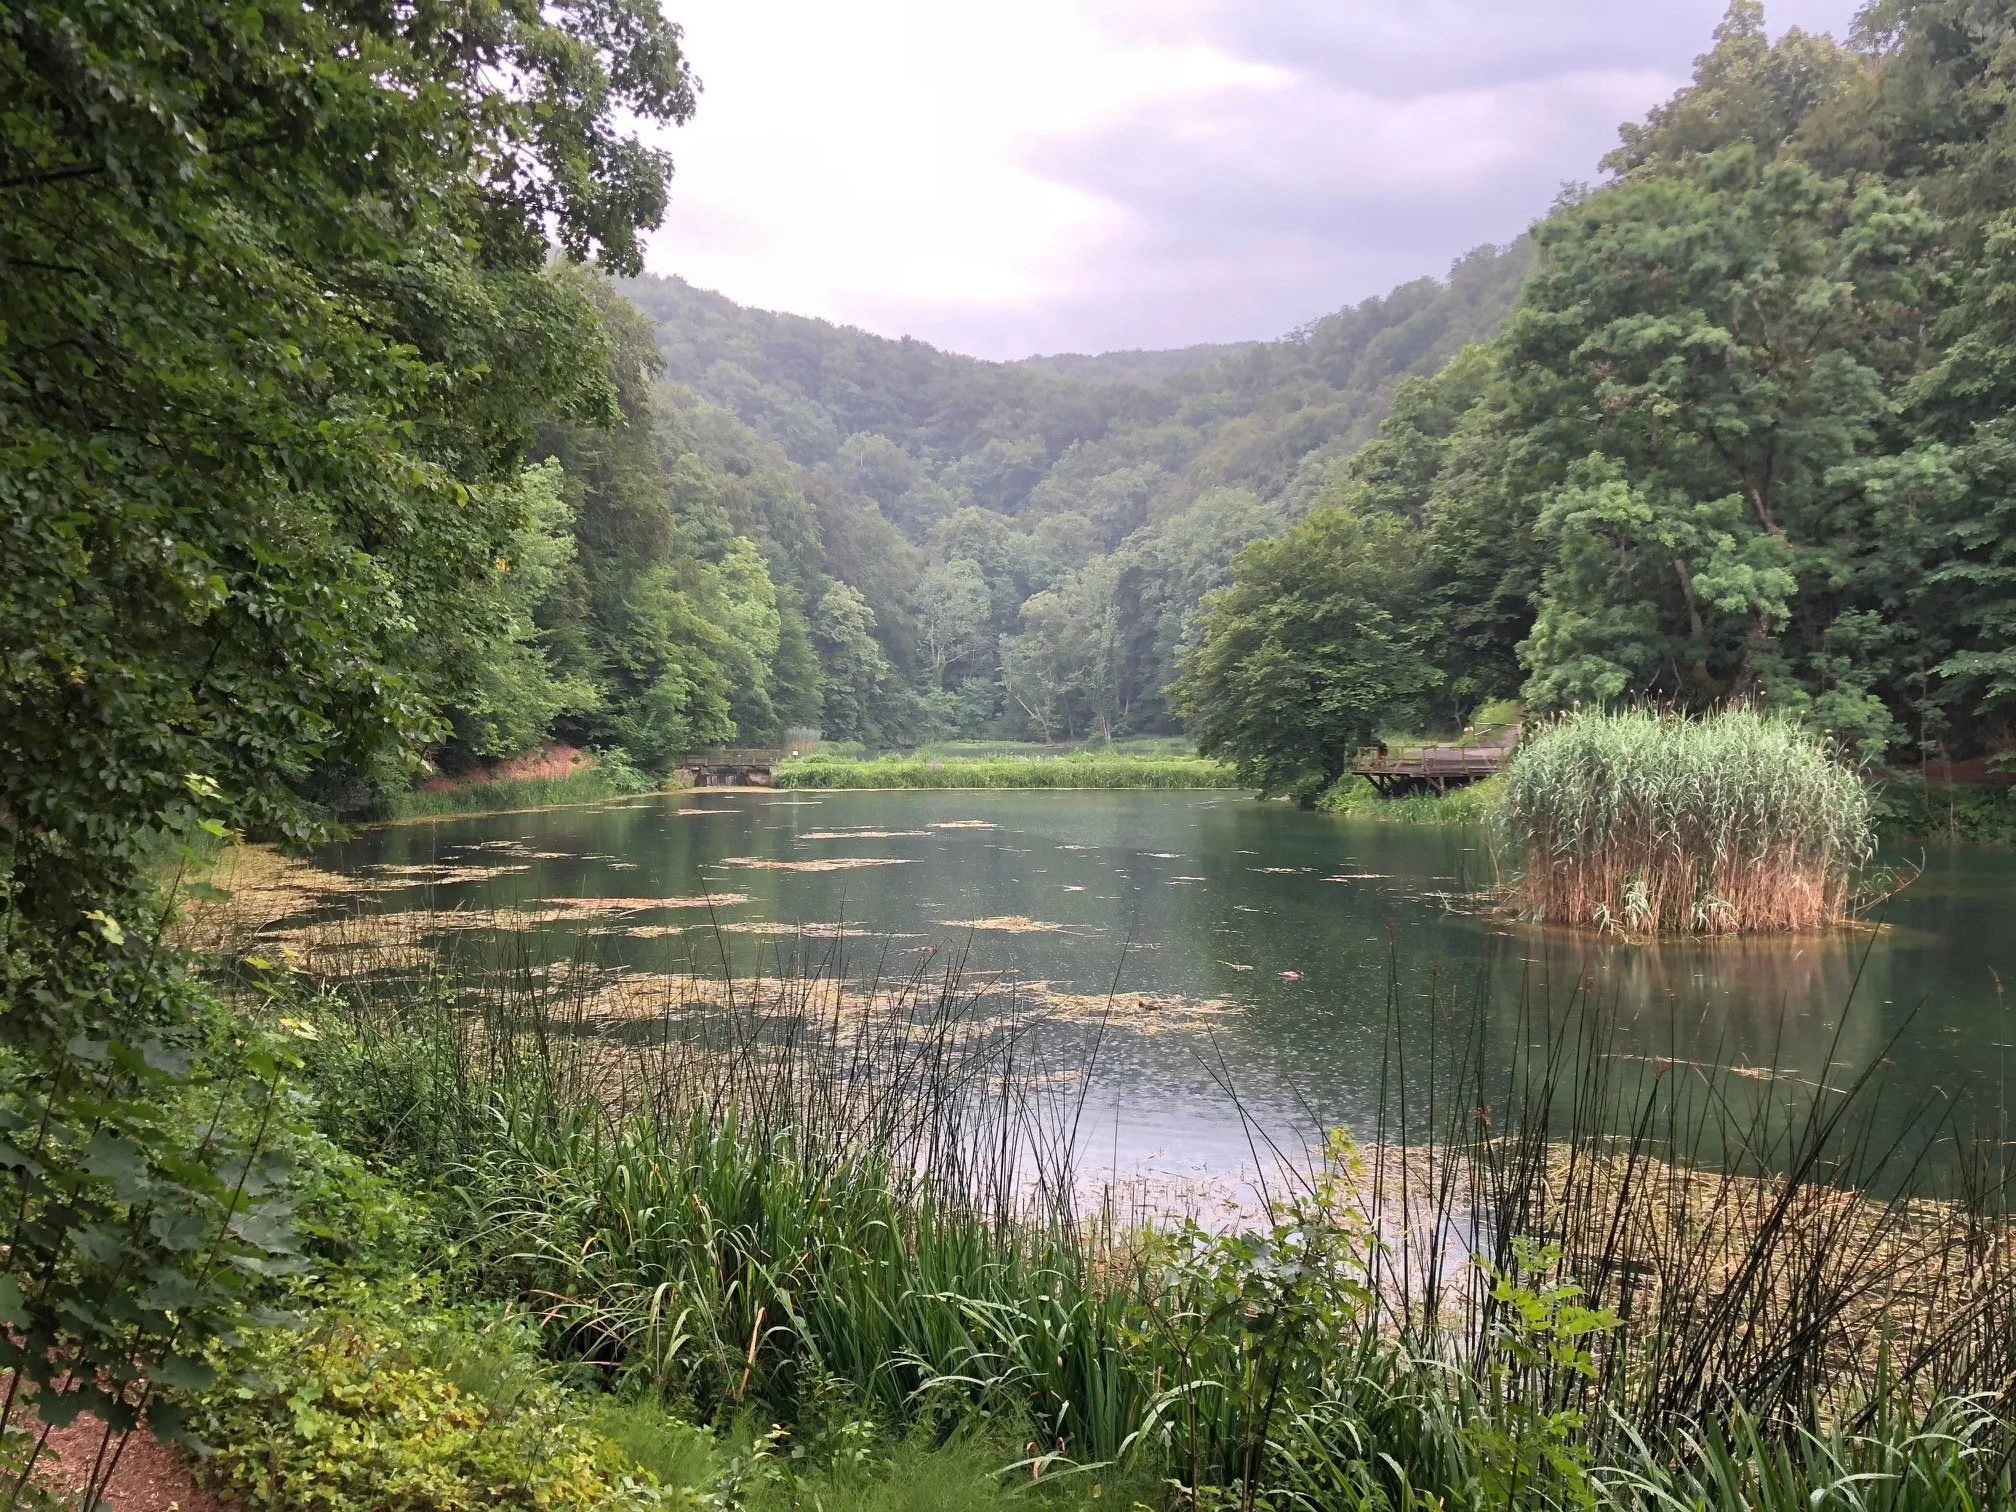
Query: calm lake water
point(1247, 946)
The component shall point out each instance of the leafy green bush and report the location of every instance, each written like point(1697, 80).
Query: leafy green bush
point(1474, 803)
point(381, 1408)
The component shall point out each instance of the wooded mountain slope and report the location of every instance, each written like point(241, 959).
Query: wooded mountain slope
point(1034, 504)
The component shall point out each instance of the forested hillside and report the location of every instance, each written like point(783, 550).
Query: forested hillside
point(963, 547)
point(1749, 437)
point(1733, 426)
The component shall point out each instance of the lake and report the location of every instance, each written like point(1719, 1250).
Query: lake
point(1248, 948)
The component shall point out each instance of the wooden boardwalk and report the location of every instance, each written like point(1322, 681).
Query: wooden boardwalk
point(1435, 768)
point(728, 767)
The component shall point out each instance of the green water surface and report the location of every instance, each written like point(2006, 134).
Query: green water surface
point(1300, 938)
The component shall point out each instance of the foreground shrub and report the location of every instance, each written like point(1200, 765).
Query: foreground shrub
point(376, 1411)
point(1657, 824)
point(1498, 1302)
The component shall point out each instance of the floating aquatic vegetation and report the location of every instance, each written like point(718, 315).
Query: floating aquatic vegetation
point(823, 864)
point(1278, 871)
point(441, 873)
point(253, 886)
point(1007, 924)
point(1141, 1012)
point(641, 905)
point(806, 931)
point(861, 834)
point(1236, 965)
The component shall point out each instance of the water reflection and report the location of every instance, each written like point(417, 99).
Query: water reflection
point(1281, 947)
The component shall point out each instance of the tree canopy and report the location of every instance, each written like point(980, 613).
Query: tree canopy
point(1745, 437)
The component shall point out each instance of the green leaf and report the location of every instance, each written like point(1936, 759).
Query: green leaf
point(98, 1245)
point(108, 926)
point(113, 1155)
point(179, 1230)
point(182, 1372)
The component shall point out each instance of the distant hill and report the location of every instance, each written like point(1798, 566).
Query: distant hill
point(1131, 477)
point(989, 433)
point(1138, 367)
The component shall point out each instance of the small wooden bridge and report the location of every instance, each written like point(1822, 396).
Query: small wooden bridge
point(726, 766)
point(1435, 768)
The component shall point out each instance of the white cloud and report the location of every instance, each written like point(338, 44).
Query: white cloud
point(1079, 174)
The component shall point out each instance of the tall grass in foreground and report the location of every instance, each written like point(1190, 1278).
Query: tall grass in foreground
point(1084, 771)
point(1656, 824)
point(1558, 1275)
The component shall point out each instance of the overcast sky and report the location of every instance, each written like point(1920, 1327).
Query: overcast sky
point(1085, 175)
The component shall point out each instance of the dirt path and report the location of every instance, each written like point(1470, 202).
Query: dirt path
point(150, 1476)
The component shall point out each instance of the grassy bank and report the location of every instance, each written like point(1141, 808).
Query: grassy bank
point(585, 784)
point(696, 1211)
point(1081, 771)
point(1477, 803)
point(1909, 808)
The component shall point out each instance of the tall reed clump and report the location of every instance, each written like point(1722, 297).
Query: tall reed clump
point(1654, 823)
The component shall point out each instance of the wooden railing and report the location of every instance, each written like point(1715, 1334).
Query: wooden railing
point(1405, 768)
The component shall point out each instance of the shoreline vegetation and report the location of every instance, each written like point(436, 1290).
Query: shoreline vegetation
point(1658, 824)
point(591, 782)
point(1904, 805)
point(1087, 769)
point(623, 1253)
